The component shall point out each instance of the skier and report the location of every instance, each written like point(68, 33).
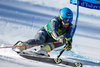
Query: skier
point(60, 28)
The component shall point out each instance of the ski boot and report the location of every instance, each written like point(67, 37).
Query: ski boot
point(42, 52)
point(19, 47)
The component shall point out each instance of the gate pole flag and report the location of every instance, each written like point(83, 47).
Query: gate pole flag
point(77, 15)
point(92, 4)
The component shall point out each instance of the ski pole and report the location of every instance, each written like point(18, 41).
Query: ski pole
point(63, 48)
point(24, 45)
point(58, 60)
point(61, 52)
point(18, 46)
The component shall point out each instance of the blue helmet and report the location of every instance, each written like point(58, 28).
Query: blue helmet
point(66, 15)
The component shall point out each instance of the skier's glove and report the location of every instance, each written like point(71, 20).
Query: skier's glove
point(66, 42)
point(63, 40)
point(68, 46)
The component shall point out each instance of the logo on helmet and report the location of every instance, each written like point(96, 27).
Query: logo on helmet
point(68, 14)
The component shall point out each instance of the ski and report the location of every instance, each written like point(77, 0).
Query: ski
point(32, 56)
point(51, 60)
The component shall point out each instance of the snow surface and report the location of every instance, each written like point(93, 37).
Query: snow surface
point(21, 19)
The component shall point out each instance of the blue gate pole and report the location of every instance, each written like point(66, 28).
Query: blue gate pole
point(77, 14)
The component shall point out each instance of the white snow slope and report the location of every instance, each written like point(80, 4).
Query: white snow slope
point(21, 19)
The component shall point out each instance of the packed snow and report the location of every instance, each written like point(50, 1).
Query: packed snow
point(21, 19)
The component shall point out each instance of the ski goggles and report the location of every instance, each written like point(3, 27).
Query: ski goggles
point(67, 20)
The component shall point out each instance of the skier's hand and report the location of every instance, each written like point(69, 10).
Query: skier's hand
point(68, 46)
point(63, 40)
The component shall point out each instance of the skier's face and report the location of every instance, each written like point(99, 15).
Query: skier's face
point(65, 25)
